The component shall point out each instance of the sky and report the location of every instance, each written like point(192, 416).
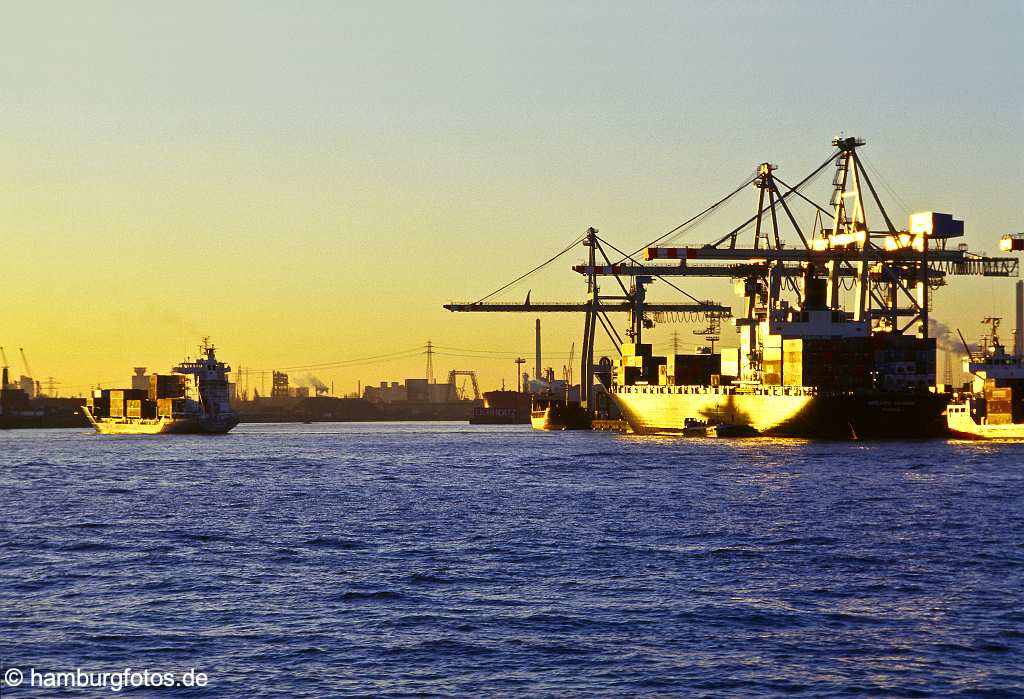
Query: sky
point(307, 183)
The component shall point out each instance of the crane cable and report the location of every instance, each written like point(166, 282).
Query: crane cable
point(682, 225)
point(631, 258)
point(539, 267)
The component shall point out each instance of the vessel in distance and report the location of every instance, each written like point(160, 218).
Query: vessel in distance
point(993, 408)
point(502, 408)
point(194, 399)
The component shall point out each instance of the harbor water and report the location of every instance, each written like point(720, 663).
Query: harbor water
point(447, 560)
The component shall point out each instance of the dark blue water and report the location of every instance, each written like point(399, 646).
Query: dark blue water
point(440, 559)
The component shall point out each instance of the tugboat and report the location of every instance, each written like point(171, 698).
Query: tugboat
point(555, 409)
point(171, 405)
point(994, 407)
point(548, 413)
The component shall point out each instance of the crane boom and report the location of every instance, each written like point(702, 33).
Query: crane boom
point(24, 360)
point(614, 307)
point(966, 266)
point(959, 262)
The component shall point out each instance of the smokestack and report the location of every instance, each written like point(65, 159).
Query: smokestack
point(1018, 345)
point(536, 368)
point(3, 385)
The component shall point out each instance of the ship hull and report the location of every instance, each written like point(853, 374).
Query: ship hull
point(962, 426)
point(499, 416)
point(667, 410)
point(165, 425)
point(553, 414)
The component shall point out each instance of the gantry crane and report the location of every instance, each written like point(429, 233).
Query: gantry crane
point(24, 361)
point(596, 309)
point(890, 271)
point(453, 389)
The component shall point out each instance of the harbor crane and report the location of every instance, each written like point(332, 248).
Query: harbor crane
point(596, 309)
point(4, 366)
point(454, 391)
point(890, 271)
point(24, 361)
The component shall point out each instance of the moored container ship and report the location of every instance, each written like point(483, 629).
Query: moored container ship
point(833, 327)
point(834, 333)
point(851, 399)
point(194, 399)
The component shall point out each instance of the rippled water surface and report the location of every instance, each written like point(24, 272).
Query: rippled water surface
point(443, 559)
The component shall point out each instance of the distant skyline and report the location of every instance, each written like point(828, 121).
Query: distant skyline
point(310, 182)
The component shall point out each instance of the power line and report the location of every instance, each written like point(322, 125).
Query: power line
point(484, 351)
point(462, 352)
point(401, 354)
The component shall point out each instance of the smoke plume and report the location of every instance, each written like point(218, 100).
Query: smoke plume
point(310, 380)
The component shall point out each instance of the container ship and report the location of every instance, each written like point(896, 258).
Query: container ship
point(834, 332)
point(993, 405)
point(194, 399)
point(826, 387)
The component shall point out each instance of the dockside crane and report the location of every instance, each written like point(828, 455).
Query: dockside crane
point(24, 361)
point(596, 308)
point(890, 271)
point(884, 275)
point(4, 367)
point(453, 390)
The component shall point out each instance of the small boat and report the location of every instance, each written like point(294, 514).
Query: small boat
point(728, 430)
point(965, 422)
point(558, 414)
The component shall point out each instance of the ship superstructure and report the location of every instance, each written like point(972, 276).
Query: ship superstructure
point(993, 406)
point(194, 399)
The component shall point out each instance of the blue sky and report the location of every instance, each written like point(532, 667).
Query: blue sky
point(342, 169)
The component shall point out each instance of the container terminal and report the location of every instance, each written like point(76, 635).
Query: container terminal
point(274, 397)
point(29, 403)
point(833, 328)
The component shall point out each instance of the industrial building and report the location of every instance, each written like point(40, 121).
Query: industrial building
point(414, 390)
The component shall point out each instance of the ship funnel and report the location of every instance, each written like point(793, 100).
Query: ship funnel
point(1018, 343)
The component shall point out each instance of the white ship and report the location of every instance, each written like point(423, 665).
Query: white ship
point(993, 408)
point(194, 399)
